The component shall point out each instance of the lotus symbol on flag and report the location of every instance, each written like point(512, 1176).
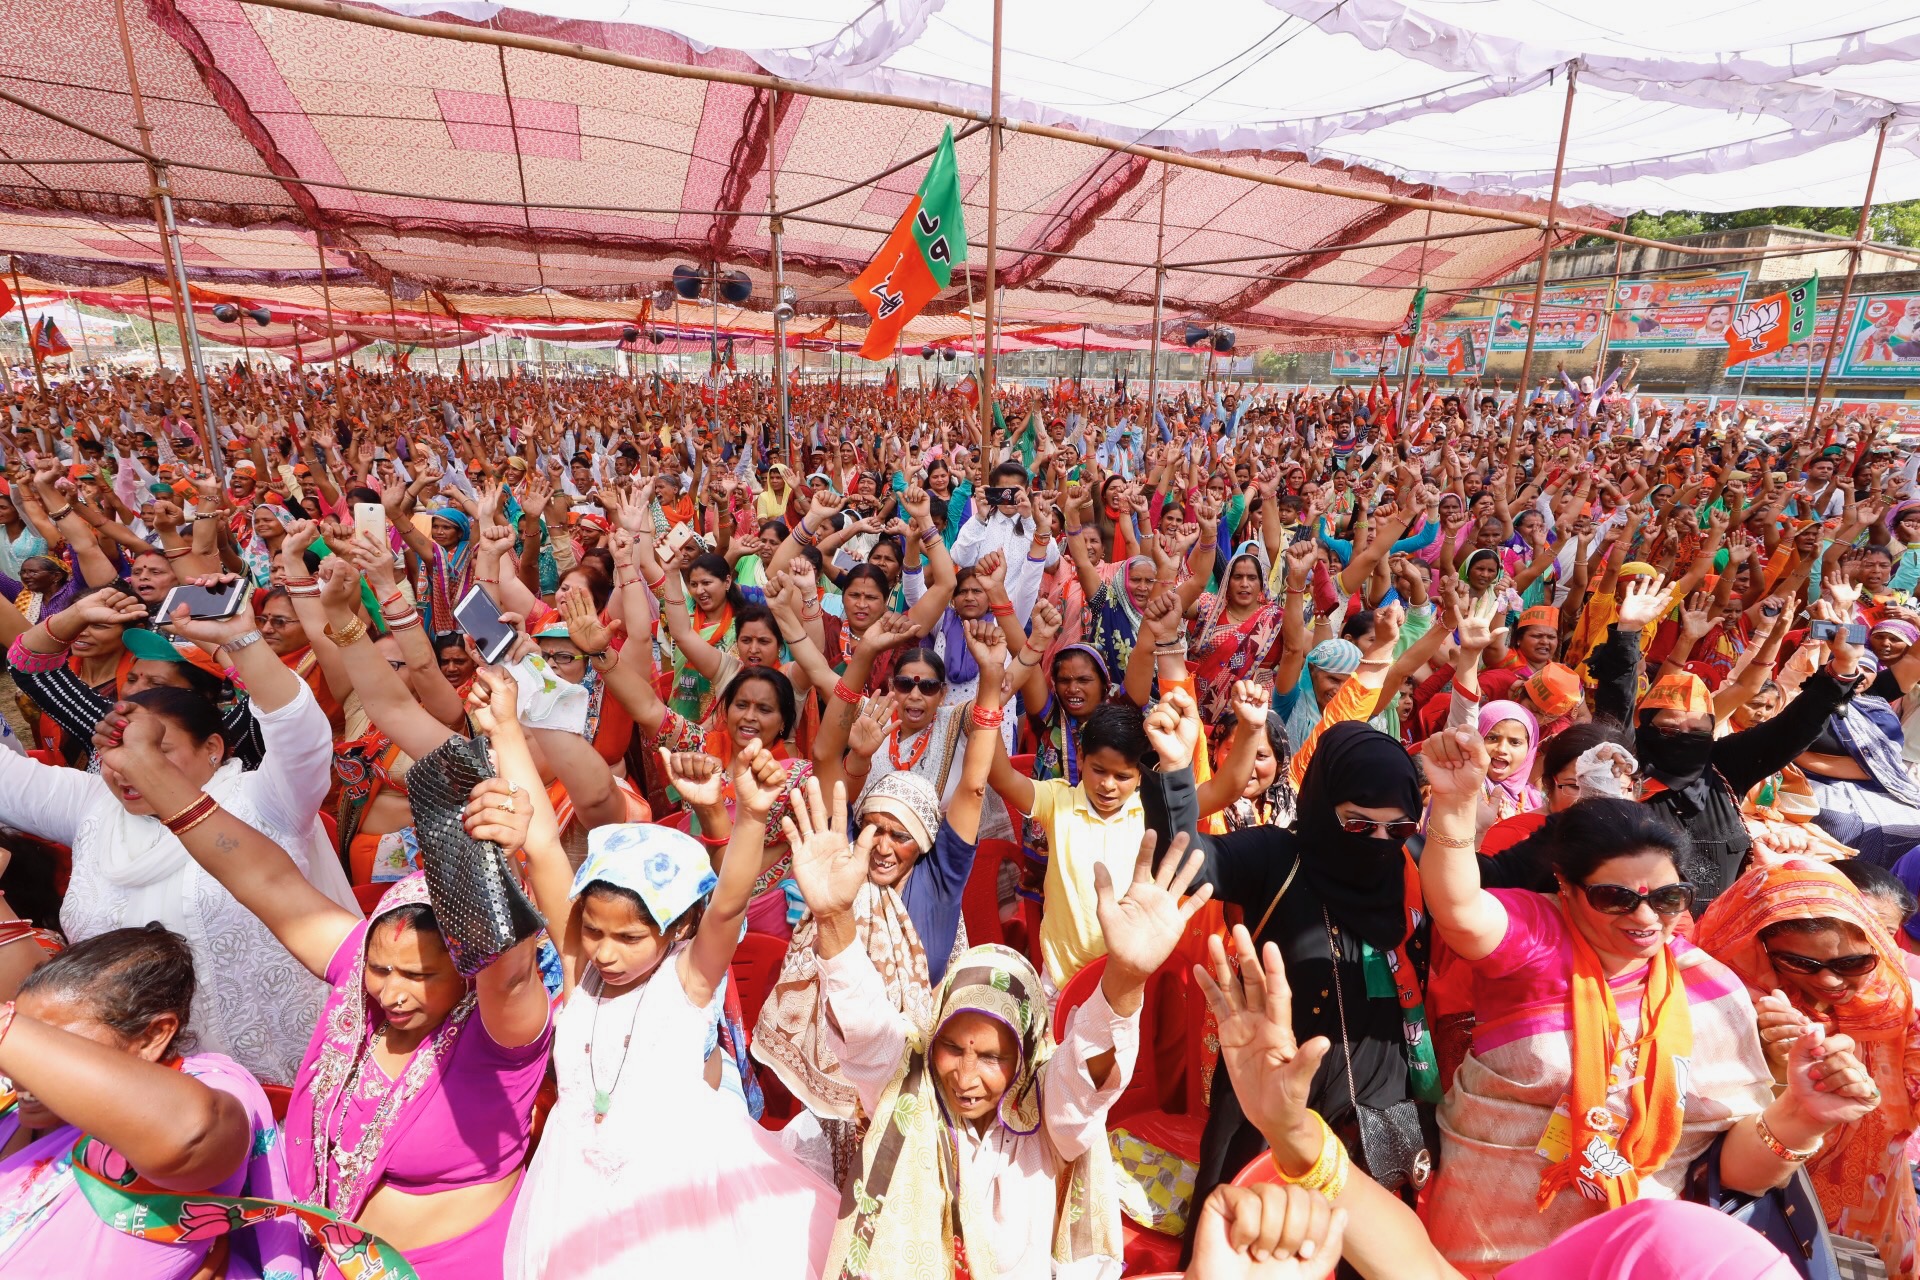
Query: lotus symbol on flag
point(890, 299)
point(1751, 325)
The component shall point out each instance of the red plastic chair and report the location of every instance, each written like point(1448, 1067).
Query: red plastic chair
point(755, 968)
point(679, 820)
point(369, 895)
point(278, 1096)
point(980, 902)
point(1259, 1169)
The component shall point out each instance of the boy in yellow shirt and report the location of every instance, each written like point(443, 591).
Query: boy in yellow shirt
point(1095, 820)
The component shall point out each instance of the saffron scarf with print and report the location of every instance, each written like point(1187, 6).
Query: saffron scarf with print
point(1610, 1153)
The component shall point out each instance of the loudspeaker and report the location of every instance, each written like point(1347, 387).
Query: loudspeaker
point(1194, 334)
point(687, 281)
point(736, 287)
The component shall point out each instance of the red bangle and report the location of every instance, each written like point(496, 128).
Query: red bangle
point(1001, 610)
point(298, 582)
point(491, 582)
point(845, 694)
point(191, 816)
point(176, 553)
point(657, 583)
point(984, 719)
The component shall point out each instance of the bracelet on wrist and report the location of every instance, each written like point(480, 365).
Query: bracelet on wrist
point(352, 633)
point(1002, 610)
point(192, 816)
point(1780, 1149)
point(62, 513)
point(988, 717)
point(845, 694)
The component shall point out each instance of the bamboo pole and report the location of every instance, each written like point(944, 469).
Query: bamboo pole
point(1159, 287)
point(160, 191)
point(774, 228)
point(1546, 245)
point(993, 259)
point(326, 299)
point(1606, 330)
point(1840, 336)
point(26, 325)
point(159, 361)
point(606, 57)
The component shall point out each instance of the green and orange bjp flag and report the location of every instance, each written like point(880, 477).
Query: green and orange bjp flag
point(916, 262)
point(1773, 323)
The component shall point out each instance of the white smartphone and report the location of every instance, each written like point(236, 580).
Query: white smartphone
point(371, 518)
point(205, 603)
point(677, 537)
point(479, 619)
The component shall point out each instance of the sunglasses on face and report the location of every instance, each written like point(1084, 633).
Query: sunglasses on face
point(1399, 829)
point(926, 685)
point(1839, 966)
point(1618, 900)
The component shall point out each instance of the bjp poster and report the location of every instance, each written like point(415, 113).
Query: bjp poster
point(1884, 339)
point(1676, 313)
point(1571, 317)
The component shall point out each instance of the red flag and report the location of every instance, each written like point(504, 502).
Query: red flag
point(6, 298)
point(890, 386)
point(465, 376)
point(970, 389)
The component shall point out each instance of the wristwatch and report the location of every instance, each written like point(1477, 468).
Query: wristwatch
point(242, 641)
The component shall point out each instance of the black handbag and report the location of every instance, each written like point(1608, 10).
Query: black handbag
point(476, 895)
point(1395, 1148)
point(1789, 1217)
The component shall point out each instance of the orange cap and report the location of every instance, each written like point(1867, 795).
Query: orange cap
point(1554, 690)
point(1541, 615)
point(1682, 691)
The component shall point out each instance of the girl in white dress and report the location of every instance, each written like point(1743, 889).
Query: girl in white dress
point(644, 1168)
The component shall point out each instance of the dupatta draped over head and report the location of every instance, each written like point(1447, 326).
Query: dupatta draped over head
point(1862, 1196)
point(902, 1214)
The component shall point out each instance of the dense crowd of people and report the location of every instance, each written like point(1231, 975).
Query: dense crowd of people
point(1270, 830)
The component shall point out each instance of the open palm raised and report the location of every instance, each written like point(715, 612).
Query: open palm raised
point(1271, 1072)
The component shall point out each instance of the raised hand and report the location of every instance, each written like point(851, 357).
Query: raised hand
point(493, 702)
point(1046, 626)
point(1456, 764)
point(870, 728)
point(211, 633)
point(1696, 615)
point(497, 811)
point(1250, 703)
point(758, 779)
point(829, 870)
point(698, 777)
point(889, 631)
point(1173, 727)
point(1477, 631)
point(584, 627)
point(1268, 1231)
point(1252, 1003)
point(1142, 928)
point(1644, 601)
point(988, 645)
point(991, 570)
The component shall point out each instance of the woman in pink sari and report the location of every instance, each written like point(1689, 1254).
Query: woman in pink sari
point(411, 1112)
point(97, 1049)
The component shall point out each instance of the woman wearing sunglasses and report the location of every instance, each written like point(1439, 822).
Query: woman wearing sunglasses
point(1610, 1053)
point(1339, 896)
point(1811, 950)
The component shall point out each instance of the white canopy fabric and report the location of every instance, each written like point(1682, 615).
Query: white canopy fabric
point(1681, 103)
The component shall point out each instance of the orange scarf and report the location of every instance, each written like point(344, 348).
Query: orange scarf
point(1608, 1165)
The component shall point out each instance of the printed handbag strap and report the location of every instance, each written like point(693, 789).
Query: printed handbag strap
point(128, 1203)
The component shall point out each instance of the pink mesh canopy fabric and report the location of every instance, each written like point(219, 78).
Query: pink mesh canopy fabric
point(472, 189)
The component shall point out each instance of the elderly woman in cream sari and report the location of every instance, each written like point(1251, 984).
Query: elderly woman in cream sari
point(988, 1152)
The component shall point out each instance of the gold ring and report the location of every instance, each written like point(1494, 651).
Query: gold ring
point(509, 805)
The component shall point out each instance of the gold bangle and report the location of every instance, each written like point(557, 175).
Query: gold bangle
point(1449, 842)
point(1323, 1164)
point(1780, 1149)
point(354, 631)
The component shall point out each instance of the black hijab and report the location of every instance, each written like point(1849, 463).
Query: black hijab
point(1359, 878)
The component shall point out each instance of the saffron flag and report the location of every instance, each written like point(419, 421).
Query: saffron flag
point(916, 262)
point(890, 385)
point(969, 389)
point(1773, 323)
point(1410, 327)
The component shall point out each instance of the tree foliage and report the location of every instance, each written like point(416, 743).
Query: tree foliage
point(1897, 223)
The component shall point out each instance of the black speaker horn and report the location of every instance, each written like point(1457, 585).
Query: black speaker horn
point(687, 281)
point(629, 335)
point(1194, 335)
point(1223, 339)
point(226, 313)
point(260, 315)
point(736, 287)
